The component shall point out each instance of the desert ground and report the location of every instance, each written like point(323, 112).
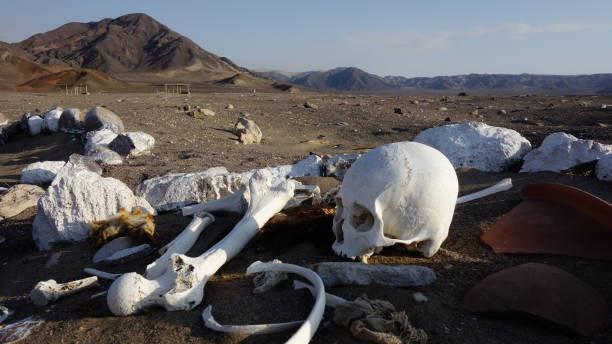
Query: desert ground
point(342, 123)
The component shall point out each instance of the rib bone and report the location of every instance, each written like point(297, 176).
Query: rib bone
point(46, 292)
point(181, 286)
point(503, 185)
point(307, 328)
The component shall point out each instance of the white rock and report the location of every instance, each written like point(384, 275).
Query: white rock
point(104, 155)
point(603, 169)
point(127, 252)
point(247, 131)
point(51, 119)
point(19, 198)
point(174, 191)
point(419, 297)
point(70, 121)
point(349, 273)
point(560, 151)
point(41, 172)
point(100, 137)
point(132, 144)
point(477, 145)
point(35, 125)
point(75, 198)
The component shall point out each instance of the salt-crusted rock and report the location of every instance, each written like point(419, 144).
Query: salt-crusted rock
point(18, 198)
point(99, 116)
point(35, 125)
point(337, 165)
point(103, 155)
point(99, 137)
point(23, 122)
point(174, 191)
point(77, 197)
point(40, 173)
point(247, 131)
point(476, 145)
point(132, 144)
point(560, 151)
point(51, 119)
point(70, 121)
point(603, 169)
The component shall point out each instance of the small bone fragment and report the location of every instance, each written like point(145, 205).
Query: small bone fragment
point(234, 203)
point(46, 292)
point(112, 247)
point(97, 295)
point(180, 245)
point(503, 185)
point(4, 313)
point(127, 252)
point(352, 273)
point(101, 274)
point(419, 297)
point(330, 299)
point(304, 193)
point(266, 280)
point(307, 328)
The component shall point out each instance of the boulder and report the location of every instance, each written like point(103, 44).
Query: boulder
point(176, 190)
point(35, 125)
point(41, 173)
point(70, 121)
point(477, 145)
point(99, 116)
point(76, 197)
point(539, 290)
point(247, 131)
point(103, 155)
point(603, 169)
point(132, 144)
point(18, 198)
point(99, 137)
point(81, 160)
point(51, 119)
point(561, 151)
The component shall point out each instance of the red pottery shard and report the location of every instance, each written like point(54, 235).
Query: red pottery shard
point(555, 219)
point(540, 290)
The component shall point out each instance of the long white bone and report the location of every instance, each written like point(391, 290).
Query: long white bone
point(330, 299)
point(234, 203)
point(101, 274)
point(181, 286)
point(46, 292)
point(181, 244)
point(307, 328)
point(503, 185)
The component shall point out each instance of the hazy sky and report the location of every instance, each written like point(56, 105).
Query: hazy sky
point(410, 38)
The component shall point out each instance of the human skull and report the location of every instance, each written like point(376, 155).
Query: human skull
point(401, 192)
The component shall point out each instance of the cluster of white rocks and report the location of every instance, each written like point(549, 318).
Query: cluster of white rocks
point(493, 149)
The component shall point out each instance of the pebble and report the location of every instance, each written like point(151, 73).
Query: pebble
point(419, 297)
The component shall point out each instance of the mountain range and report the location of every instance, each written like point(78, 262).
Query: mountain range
point(137, 49)
point(356, 80)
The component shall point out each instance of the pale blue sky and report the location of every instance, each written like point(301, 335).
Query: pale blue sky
point(410, 38)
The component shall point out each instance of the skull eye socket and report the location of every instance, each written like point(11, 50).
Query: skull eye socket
point(362, 219)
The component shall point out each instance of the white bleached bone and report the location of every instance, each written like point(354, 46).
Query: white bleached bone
point(101, 274)
point(307, 328)
point(330, 299)
point(304, 193)
point(180, 245)
point(235, 203)
point(97, 295)
point(127, 252)
point(112, 247)
point(503, 185)
point(402, 192)
point(46, 292)
point(353, 273)
point(181, 286)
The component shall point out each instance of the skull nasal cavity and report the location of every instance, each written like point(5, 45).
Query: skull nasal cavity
point(362, 220)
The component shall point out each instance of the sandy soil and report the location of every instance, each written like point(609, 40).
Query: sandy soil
point(342, 123)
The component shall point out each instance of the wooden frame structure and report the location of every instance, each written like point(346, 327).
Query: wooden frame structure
point(74, 89)
point(175, 88)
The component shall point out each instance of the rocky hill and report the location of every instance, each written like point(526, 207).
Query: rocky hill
point(354, 79)
point(15, 67)
point(130, 44)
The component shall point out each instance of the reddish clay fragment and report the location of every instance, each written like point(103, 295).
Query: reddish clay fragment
point(540, 290)
point(555, 219)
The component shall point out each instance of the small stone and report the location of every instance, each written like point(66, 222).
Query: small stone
point(502, 112)
point(229, 107)
point(186, 107)
point(474, 113)
point(206, 112)
point(247, 131)
point(398, 111)
point(310, 105)
point(414, 101)
point(419, 297)
point(442, 108)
